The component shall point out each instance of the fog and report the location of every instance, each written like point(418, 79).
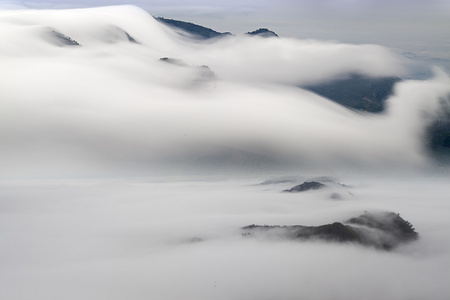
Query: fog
point(125, 175)
point(146, 239)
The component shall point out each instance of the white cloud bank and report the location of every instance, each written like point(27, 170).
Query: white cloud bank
point(110, 105)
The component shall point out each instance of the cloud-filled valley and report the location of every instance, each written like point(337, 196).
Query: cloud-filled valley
point(131, 157)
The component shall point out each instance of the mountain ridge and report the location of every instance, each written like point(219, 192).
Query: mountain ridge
point(204, 33)
point(199, 31)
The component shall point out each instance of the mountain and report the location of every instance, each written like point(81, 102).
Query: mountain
point(204, 33)
point(63, 40)
point(354, 91)
point(382, 230)
point(197, 30)
point(203, 73)
point(438, 133)
point(263, 32)
point(357, 91)
point(369, 94)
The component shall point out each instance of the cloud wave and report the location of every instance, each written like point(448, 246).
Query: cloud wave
point(109, 102)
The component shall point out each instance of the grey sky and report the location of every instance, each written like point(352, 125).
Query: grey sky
point(413, 25)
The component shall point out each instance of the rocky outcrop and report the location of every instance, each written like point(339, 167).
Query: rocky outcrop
point(306, 186)
point(204, 73)
point(130, 38)
point(384, 230)
point(63, 40)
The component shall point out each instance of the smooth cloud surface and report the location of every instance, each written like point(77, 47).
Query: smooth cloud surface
point(141, 239)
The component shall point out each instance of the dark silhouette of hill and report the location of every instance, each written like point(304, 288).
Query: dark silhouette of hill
point(200, 31)
point(263, 32)
point(357, 91)
point(383, 230)
point(306, 186)
point(438, 133)
point(203, 32)
point(369, 94)
point(64, 40)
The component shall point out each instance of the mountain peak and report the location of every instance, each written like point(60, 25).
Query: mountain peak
point(263, 32)
point(197, 30)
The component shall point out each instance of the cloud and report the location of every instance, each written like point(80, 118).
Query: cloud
point(110, 105)
point(110, 239)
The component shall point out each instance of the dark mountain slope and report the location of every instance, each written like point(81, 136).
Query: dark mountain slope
point(263, 32)
point(200, 31)
point(369, 94)
point(357, 91)
point(438, 133)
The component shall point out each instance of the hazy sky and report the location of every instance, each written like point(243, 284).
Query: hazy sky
point(418, 26)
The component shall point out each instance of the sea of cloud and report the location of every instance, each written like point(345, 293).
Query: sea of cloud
point(110, 106)
point(203, 138)
point(139, 239)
